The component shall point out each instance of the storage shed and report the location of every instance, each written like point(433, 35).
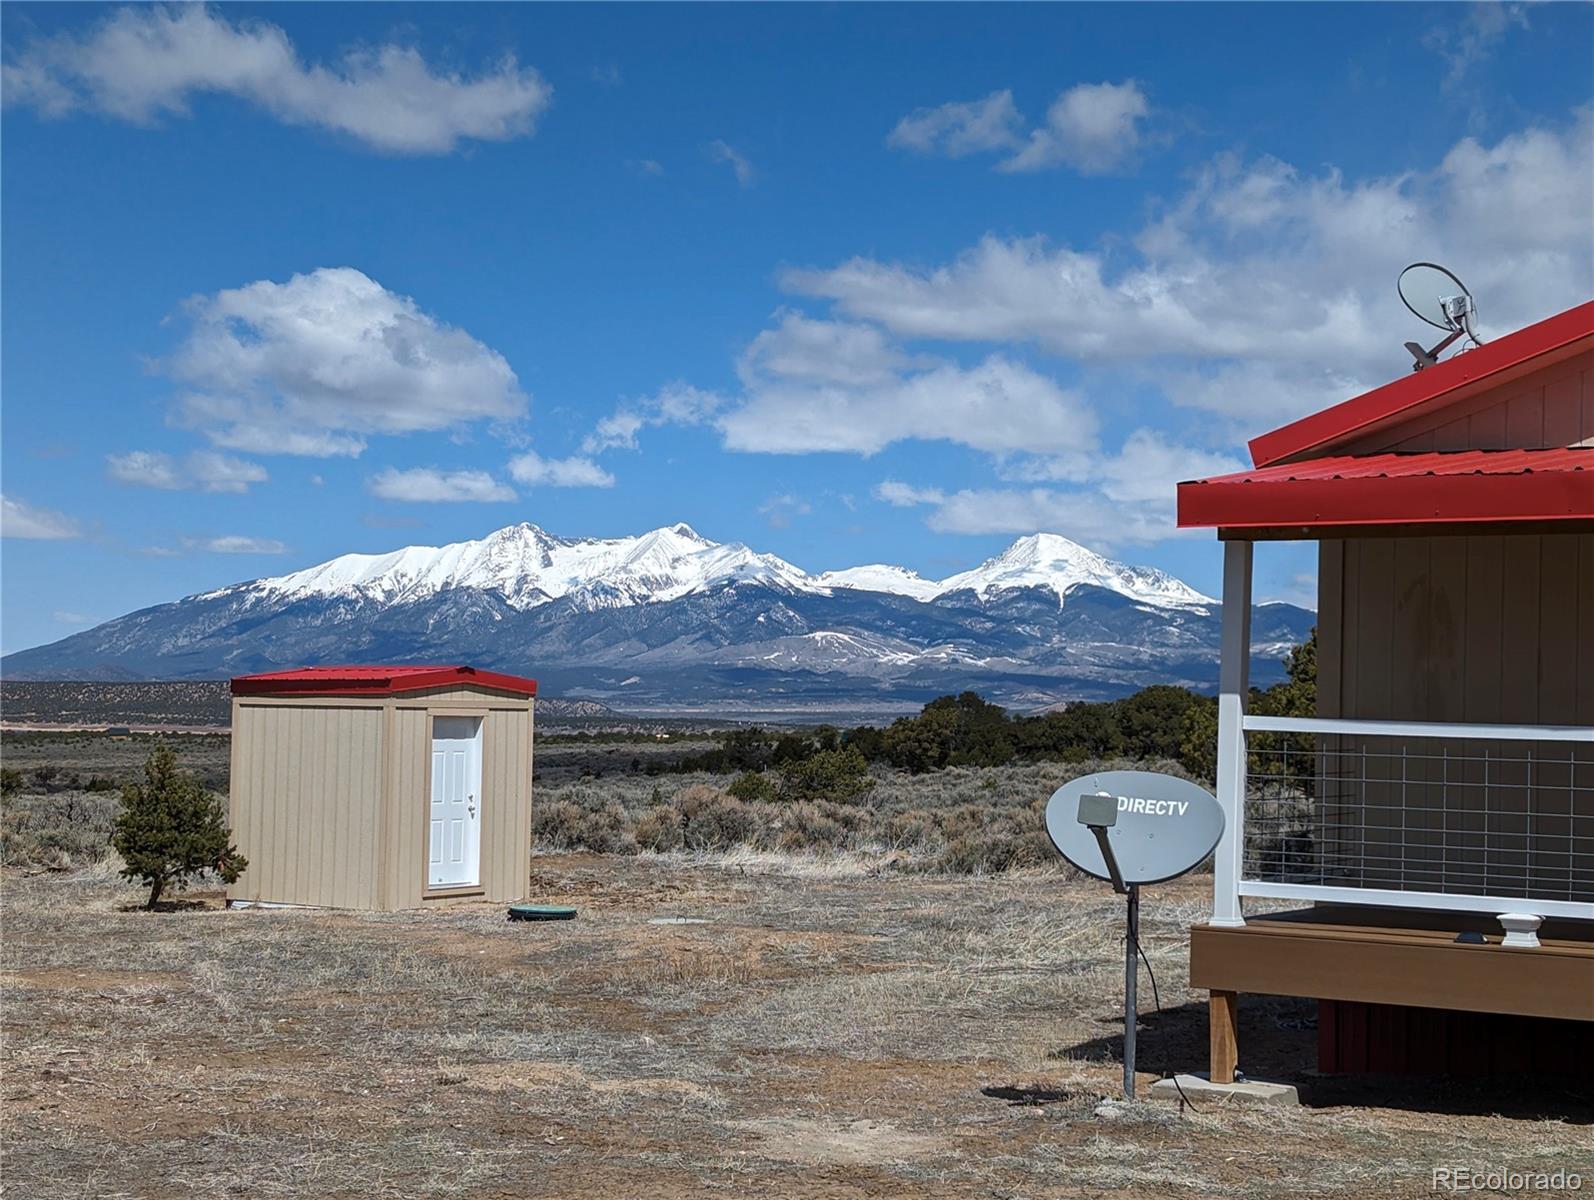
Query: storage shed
point(381, 787)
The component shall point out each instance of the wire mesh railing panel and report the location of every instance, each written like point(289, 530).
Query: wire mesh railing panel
point(1396, 813)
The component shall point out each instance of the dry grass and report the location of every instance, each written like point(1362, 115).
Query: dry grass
point(824, 1033)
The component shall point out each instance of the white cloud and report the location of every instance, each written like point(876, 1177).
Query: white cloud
point(1092, 127)
point(960, 127)
point(723, 152)
point(904, 495)
point(1142, 473)
point(429, 485)
point(837, 352)
point(1263, 289)
point(141, 64)
point(235, 543)
point(999, 405)
point(533, 470)
point(1468, 34)
point(1081, 515)
point(675, 404)
point(810, 385)
point(203, 470)
point(19, 519)
point(315, 365)
point(1113, 499)
point(648, 166)
point(779, 510)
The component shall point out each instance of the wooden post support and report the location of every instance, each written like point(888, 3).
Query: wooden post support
point(1223, 1011)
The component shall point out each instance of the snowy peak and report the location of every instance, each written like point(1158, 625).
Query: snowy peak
point(529, 567)
point(881, 577)
point(1049, 560)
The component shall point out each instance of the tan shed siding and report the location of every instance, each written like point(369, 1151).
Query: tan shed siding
point(529, 812)
point(1553, 406)
point(240, 812)
point(307, 803)
point(506, 772)
point(1491, 629)
point(411, 765)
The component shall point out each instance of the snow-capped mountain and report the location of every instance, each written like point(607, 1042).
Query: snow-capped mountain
point(528, 566)
point(672, 620)
point(1051, 561)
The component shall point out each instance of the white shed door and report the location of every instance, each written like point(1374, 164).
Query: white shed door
point(454, 853)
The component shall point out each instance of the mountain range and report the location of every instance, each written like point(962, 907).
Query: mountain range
point(670, 621)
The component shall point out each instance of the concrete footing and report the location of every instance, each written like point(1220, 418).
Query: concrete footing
point(1198, 1088)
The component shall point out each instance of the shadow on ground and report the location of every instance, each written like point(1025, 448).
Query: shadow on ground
point(1278, 1043)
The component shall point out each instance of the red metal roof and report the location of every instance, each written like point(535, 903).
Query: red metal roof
point(1461, 486)
point(374, 681)
point(1550, 340)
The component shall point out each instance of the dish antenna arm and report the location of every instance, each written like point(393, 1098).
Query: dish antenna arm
point(1422, 359)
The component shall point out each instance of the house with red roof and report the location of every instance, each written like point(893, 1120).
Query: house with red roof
point(1419, 857)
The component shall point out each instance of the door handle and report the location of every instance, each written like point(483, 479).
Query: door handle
point(471, 804)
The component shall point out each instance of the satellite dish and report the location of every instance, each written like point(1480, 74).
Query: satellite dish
point(1133, 827)
point(1163, 826)
point(1436, 296)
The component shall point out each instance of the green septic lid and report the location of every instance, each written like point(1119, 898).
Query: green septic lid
point(541, 912)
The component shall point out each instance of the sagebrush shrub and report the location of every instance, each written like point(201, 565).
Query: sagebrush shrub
point(712, 820)
point(660, 830)
point(808, 827)
point(600, 826)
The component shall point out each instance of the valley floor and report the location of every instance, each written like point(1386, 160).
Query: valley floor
point(823, 1033)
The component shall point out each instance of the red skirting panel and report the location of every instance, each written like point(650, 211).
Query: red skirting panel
point(1354, 1038)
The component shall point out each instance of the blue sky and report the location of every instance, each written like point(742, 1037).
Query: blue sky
point(849, 284)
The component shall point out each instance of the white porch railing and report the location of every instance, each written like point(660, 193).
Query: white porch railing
point(1481, 818)
point(1478, 818)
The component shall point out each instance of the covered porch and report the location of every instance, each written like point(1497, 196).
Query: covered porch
point(1388, 838)
point(1448, 777)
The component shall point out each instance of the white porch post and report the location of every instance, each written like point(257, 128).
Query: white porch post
point(1233, 683)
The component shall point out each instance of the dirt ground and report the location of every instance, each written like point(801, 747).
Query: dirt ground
point(823, 1032)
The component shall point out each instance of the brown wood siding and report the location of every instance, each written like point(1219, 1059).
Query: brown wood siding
point(1394, 1039)
point(1549, 407)
point(1485, 629)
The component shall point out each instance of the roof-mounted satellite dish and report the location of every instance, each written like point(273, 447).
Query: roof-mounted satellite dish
point(1133, 827)
point(1436, 296)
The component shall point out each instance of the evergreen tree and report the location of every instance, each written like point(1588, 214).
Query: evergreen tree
point(170, 828)
point(838, 775)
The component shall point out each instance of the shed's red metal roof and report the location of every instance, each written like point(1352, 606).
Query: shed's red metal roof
point(1527, 349)
point(374, 681)
point(1443, 487)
